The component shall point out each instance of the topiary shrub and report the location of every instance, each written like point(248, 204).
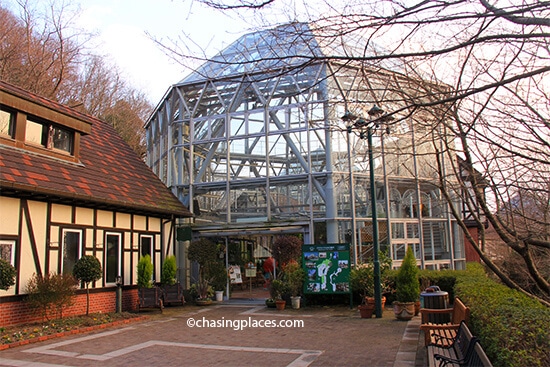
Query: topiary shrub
point(407, 285)
point(87, 269)
point(169, 270)
point(145, 272)
point(7, 275)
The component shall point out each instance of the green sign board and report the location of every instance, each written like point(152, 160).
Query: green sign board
point(327, 268)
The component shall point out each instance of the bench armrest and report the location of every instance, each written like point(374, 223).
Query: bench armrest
point(439, 327)
point(436, 310)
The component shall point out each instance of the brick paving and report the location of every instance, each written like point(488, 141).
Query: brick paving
point(331, 336)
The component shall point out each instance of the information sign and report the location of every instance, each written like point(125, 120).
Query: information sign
point(327, 268)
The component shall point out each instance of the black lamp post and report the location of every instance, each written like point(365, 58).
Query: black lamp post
point(365, 132)
point(118, 282)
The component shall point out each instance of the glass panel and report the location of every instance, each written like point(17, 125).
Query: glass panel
point(7, 252)
point(248, 205)
point(71, 250)
point(5, 123)
point(62, 139)
point(112, 264)
point(34, 132)
point(146, 246)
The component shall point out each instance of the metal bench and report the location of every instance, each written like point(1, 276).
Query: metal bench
point(443, 333)
point(463, 350)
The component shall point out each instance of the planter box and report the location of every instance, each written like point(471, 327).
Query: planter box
point(149, 298)
point(173, 294)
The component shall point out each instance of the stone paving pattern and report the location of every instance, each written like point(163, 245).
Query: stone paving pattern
point(331, 336)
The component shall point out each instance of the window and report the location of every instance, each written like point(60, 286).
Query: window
point(112, 257)
point(72, 249)
point(61, 139)
point(7, 251)
point(6, 122)
point(49, 136)
point(146, 245)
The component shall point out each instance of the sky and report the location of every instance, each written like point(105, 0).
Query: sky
point(121, 27)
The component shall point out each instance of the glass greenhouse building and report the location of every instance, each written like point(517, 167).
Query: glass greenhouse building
point(254, 143)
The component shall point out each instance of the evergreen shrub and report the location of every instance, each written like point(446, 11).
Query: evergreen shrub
point(407, 285)
point(145, 272)
point(169, 270)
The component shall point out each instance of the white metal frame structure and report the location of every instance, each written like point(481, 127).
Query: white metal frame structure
point(254, 140)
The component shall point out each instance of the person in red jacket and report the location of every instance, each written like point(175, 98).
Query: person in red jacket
point(268, 268)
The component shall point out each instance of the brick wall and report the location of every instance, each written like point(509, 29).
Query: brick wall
point(14, 310)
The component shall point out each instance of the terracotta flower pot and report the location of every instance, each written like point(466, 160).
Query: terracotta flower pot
point(370, 300)
point(366, 311)
point(280, 304)
point(403, 310)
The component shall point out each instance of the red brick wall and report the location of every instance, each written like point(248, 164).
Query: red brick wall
point(14, 310)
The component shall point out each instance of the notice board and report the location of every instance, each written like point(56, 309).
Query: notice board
point(235, 274)
point(327, 268)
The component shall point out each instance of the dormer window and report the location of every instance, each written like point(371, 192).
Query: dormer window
point(41, 126)
point(49, 136)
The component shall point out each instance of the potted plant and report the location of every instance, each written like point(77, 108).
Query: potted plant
point(217, 273)
point(277, 289)
point(407, 287)
point(172, 291)
point(362, 282)
point(148, 294)
point(294, 275)
point(204, 252)
point(202, 292)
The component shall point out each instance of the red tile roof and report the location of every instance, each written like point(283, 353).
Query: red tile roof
point(110, 175)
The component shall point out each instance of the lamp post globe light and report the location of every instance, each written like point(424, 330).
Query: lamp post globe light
point(366, 129)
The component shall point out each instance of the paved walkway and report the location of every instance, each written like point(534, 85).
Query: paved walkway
point(328, 336)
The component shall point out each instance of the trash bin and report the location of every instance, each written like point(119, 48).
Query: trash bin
point(435, 298)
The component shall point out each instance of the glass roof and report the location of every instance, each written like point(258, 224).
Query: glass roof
point(286, 46)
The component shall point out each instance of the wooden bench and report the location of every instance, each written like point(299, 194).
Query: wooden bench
point(443, 334)
point(463, 350)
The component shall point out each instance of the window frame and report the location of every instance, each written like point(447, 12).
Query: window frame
point(11, 121)
point(12, 244)
point(79, 248)
point(106, 258)
point(151, 245)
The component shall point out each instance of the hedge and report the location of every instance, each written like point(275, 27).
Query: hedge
point(514, 329)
